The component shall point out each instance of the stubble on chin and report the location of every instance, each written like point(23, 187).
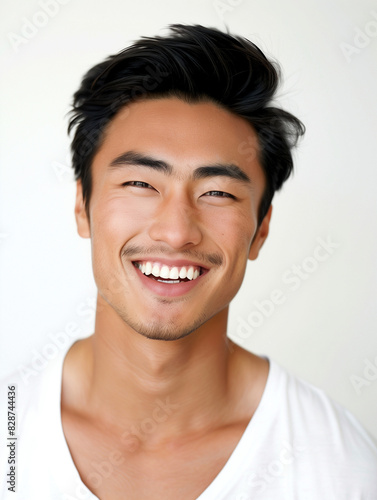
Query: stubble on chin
point(159, 330)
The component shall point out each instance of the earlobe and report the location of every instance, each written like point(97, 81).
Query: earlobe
point(83, 227)
point(261, 235)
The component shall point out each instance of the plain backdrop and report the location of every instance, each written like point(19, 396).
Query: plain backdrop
point(324, 327)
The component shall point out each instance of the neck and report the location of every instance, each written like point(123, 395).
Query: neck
point(140, 385)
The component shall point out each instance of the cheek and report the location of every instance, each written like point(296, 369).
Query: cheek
point(233, 235)
point(111, 226)
point(117, 218)
point(232, 230)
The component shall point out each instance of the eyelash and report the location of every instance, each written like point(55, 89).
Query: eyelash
point(138, 184)
point(221, 194)
point(141, 184)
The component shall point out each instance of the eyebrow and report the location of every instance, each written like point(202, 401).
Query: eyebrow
point(218, 169)
point(133, 158)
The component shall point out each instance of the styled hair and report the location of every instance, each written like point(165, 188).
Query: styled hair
point(194, 63)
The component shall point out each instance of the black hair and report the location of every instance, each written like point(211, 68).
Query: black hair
point(194, 63)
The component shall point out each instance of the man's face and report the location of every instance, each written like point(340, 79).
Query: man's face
point(173, 214)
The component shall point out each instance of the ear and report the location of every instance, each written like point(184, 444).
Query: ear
point(260, 236)
point(83, 226)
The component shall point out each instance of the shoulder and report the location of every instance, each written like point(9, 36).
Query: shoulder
point(301, 444)
point(38, 435)
point(331, 437)
point(313, 407)
point(35, 385)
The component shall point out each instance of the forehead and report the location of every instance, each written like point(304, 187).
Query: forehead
point(183, 134)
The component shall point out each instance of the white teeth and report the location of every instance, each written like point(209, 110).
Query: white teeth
point(156, 270)
point(183, 273)
point(164, 273)
point(148, 268)
point(174, 274)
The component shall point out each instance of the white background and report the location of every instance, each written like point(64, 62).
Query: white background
point(325, 331)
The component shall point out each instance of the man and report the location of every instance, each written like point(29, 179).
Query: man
point(177, 152)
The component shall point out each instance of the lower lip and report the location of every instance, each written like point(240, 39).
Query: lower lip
point(168, 289)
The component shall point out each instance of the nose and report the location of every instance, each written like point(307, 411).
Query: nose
point(176, 223)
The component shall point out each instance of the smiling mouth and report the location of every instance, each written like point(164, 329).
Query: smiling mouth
point(165, 274)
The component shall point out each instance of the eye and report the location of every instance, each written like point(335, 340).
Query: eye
point(219, 194)
point(139, 184)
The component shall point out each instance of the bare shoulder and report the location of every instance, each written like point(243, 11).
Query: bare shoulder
point(248, 378)
point(75, 377)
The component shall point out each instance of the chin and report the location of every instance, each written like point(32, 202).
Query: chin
point(162, 330)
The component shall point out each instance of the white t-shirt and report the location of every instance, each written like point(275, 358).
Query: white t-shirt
point(299, 445)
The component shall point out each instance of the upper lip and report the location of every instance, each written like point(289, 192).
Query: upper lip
point(170, 262)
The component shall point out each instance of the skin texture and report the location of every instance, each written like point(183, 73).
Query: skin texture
point(152, 344)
